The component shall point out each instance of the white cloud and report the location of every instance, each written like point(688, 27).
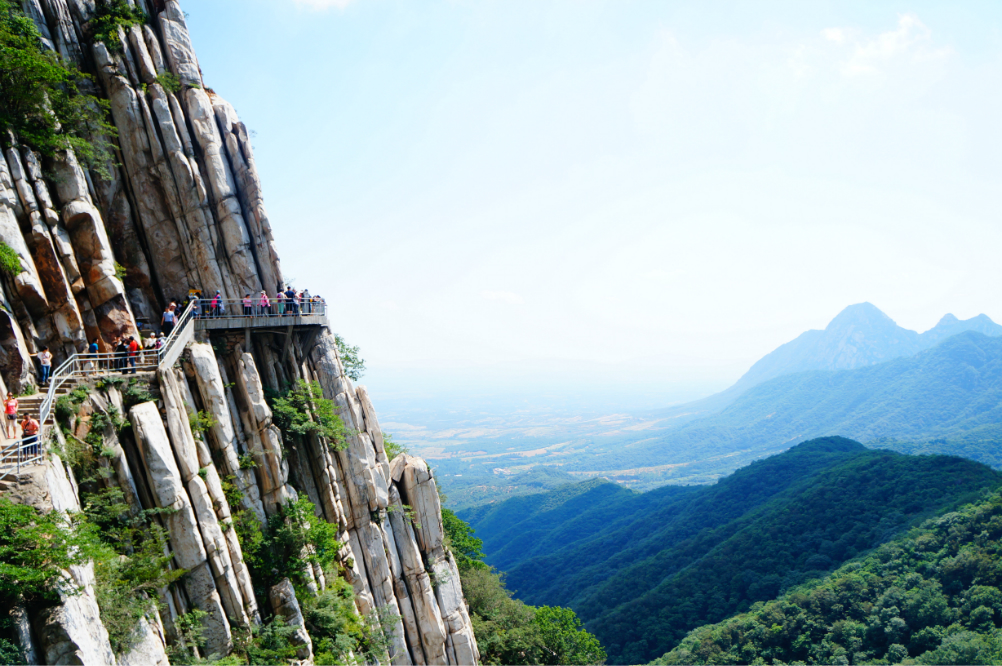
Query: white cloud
point(503, 296)
point(323, 4)
point(911, 36)
point(836, 35)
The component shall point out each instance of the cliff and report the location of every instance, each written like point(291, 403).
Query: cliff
point(181, 208)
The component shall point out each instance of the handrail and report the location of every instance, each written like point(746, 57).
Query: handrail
point(27, 450)
point(233, 308)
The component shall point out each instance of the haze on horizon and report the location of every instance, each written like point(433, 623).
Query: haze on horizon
point(615, 197)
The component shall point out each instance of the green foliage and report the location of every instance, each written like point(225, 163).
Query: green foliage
point(10, 260)
point(40, 97)
point(109, 17)
point(354, 365)
point(247, 461)
point(130, 564)
point(932, 596)
point(169, 82)
point(507, 630)
point(10, 652)
point(65, 410)
point(200, 422)
point(120, 271)
point(34, 549)
point(294, 539)
point(109, 382)
point(459, 539)
point(272, 644)
point(643, 569)
point(189, 627)
point(563, 638)
point(303, 409)
point(336, 629)
point(392, 448)
point(136, 393)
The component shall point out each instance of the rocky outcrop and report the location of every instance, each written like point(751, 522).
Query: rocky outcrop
point(102, 251)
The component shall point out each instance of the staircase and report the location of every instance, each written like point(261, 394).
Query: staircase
point(76, 370)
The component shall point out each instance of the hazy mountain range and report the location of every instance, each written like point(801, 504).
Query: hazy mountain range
point(859, 336)
point(863, 377)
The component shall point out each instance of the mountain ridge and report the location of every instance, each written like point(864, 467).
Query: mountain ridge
point(858, 336)
point(699, 554)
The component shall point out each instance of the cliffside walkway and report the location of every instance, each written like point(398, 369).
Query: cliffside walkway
point(79, 368)
point(232, 314)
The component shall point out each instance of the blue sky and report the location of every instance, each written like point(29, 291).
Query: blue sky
point(638, 198)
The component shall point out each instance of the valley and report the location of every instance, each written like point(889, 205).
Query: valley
point(955, 384)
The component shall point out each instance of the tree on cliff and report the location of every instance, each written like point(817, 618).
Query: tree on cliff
point(41, 100)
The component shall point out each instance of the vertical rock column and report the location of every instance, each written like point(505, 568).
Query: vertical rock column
point(212, 390)
point(90, 245)
point(216, 547)
point(186, 539)
point(418, 489)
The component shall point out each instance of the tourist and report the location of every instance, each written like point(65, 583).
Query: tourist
point(133, 350)
point(45, 359)
point(264, 304)
point(92, 350)
point(10, 409)
point(291, 296)
point(280, 302)
point(29, 435)
point(216, 301)
point(307, 306)
point(161, 342)
point(169, 320)
point(248, 305)
point(149, 347)
point(122, 355)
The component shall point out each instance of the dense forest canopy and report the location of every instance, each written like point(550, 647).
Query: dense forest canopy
point(930, 597)
point(642, 570)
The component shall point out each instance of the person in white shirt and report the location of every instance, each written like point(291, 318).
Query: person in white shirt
point(45, 359)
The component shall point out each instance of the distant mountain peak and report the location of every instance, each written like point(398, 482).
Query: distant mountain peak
point(860, 335)
point(860, 314)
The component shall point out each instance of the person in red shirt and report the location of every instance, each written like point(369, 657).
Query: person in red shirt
point(133, 350)
point(29, 434)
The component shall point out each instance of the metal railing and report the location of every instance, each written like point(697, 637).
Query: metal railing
point(231, 308)
point(28, 450)
point(17, 454)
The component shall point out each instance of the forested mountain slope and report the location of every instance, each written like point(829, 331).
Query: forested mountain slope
point(643, 569)
point(932, 596)
point(947, 399)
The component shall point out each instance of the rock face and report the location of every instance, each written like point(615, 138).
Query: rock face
point(102, 253)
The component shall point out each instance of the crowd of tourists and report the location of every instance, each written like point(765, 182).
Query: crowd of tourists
point(286, 302)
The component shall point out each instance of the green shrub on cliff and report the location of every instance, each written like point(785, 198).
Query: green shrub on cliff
point(34, 549)
point(354, 365)
point(110, 15)
point(10, 261)
point(303, 409)
point(40, 97)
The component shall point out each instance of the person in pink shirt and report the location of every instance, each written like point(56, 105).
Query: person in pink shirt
point(264, 304)
point(10, 409)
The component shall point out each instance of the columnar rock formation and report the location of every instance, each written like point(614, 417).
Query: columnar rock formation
point(184, 210)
